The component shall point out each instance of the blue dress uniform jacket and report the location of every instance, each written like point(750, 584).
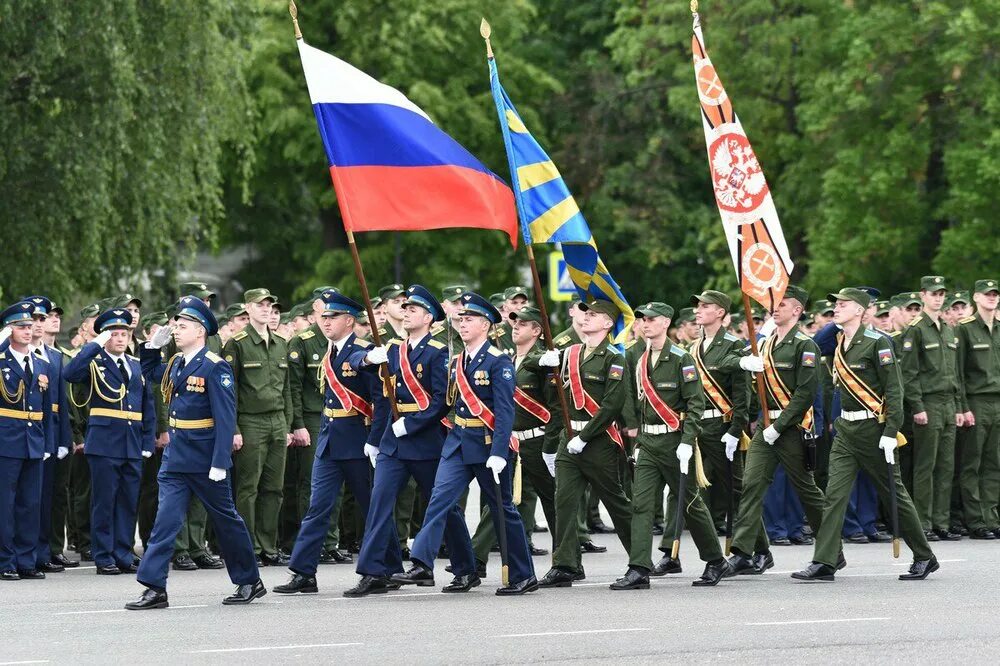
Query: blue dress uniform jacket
point(491, 375)
point(345, 437)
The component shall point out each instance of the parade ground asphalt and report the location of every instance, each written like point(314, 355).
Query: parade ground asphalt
point(866, 615)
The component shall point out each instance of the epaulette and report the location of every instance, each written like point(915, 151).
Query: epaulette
point(437, 328)
point(279, 335)
point(630, 344)
point(677, 351)
point(869, 333)
point(364, 344)
point(493, 351)
point(240, 335)
point(799, 335)
point(967, 320)
point(64, 351)
point(212, 357)
point(895, 334)
point(134, 358)
point(306, 334)
point(730, 337)
point(437, 344)
point(72, 352)
point(3, 355)
point(394, 341)
point(382, 332)
point(563, 340)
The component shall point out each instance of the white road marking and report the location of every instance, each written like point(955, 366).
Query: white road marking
point(37, 661)
point(844, 619)
point(383, 596)
point(92, 612)
point(275, 647)
point(574, 633)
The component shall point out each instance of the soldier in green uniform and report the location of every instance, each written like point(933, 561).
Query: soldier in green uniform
point(930, 387)
point(79, 474)
point(445, 331)
point(789, 363)
point(979, 402)
point(872, 406)
point(148, 486)
point(595, 392)
point(305, 356)
point(263, 415)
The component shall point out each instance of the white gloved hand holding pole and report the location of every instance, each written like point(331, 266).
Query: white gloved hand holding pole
point(888, 446)
point(62, 452)
point(550, 463)
point(496, 464)
point(549, 359)
point(732, 443)
point(377, 355)
point(771, 434)
point(371, 452)
point(752, 363)
point(399, 427)
point(684, 453)
point(575, 445)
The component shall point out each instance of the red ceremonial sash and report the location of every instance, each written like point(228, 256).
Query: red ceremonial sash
point(662, 409)
point(413, 384)
point(348, 398)
point(532, 406)
point(582, 399)
point(475, 404)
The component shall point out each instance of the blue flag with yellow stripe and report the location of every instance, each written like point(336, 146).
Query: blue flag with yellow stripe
point(549, 213)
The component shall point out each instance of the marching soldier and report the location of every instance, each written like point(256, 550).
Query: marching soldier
point(866, 372)
point(446, 331)
point(259, 362)
point(121, 423)
point(201, 399)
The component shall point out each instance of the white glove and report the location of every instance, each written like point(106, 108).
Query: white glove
point(684, 453)
point(46, 456)
point(550, 463)
point(399, 427)
point(371, 452)
point(377, 355)
point(771, 434)
point(5, 333)
point(216, 474)
point(147, 454)
point(732, 443)
point(768, 328)
point(102, 338)
point(575, 445)
point(888, 446)
point(160, 338)
point(496, 464)
point(549, 359)
point(635, 455)
point(752, 363)
point(62, 452)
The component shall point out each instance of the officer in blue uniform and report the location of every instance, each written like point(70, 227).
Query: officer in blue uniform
point(120, 433)
point(411, 448)
point(474, 450)
point(355, 408)
point(25, 439)
point(201, 401)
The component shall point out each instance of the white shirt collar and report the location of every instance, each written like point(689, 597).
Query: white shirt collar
point(188, 357)
point(338, 345)
point(19, 357)
point(473, 353)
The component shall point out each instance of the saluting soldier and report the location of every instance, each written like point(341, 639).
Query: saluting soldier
point(264, 411)
point(867, 373)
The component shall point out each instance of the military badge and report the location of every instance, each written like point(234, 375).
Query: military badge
point(315, 357)
point(229, 358)
point(808, 359)
point(43, 382)
point(616, 372)
point(907, 345)
point(507, 374)
point(885, 356)
point(226, 380)
point(293, 355)
point(689, 373)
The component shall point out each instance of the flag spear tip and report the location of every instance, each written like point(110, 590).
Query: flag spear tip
point(694, 6)
point(486, 31)
point(294, 11)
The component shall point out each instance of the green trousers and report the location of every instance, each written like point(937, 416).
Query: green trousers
point(934, 462)
point(149, 491)
point(403, 511)
point(533, 473)
point(598, 466)
point(191, 539)
point(658, 465)
point(79, 498)
point(60, 506)
point(717, 470)
point(298, 487)
point(259, 474)
point(963, 436)
point(980, 468)
point(855, 447)
point(749, 535)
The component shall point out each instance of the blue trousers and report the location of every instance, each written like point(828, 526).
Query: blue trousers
point(862, 508)
point(380, 553)
point(453, 477)
point(782, 510)
point(328, 477)
point(231, 532)
point(43, 553)
point(20, 497)
point(114, 503)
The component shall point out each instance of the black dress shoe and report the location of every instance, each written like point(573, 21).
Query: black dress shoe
point(815, 571)
point(931, 536)
point(462, 583)
point(298, 583)
point(947, 535)
point(879, 537)
point(591, 547)
point(59, 558)
point(634, 579)
point(857, 537)
point(600, 528)
point(557, 577)
point(405, 554)
point(183, 563)
point(109, 570)
point(960, 530)
point(51, 567)
point(763, 561)
point(480, 569)
point(86, 555)
point(244, 594)
point(666, 565)
point(801, 540)
point(370, 585)
point(781, 541)
point(150, 599)
point(537, 552)
point(274, 559)
point(30, 574)
point(714, 572)
point(921, 569)
point(259, 561)
point(529, 584)
point(9, 575)
point(982, 533)
point(128, 568)
point(539, 529)
point(207, 561)
point(443, 552)
point(334, 556)
point(657, 529)
point(742, 565)
point(418, 575)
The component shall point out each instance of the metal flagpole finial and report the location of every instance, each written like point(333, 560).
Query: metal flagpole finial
point(294, 11)
point(694, 6)
point(486, 31)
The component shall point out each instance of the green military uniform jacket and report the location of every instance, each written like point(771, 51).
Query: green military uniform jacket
point(978, 359)
point(603, 374)
point(929, 361)
point(446, 334)
point(630, 412)
point(261, 373)
point(796, 360)
point(870, 356)
point(566, 338)
point(721, 360)
point(676, 380)
point(305, 356)
point(539, 383)
point(501, 335)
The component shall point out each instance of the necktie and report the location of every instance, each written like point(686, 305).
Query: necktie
point(121, 367)
point(180, 365)
point(28, 379)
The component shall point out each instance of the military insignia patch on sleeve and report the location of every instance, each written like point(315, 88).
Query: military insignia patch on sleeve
point(809, 359)
point(907, 345)
point(226, 380)
point(293, 355)
point(507, 374)
point(616, 371)
point(885, 356)
point(689, 373)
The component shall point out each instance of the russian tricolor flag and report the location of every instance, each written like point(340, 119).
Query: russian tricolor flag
point(394, 169)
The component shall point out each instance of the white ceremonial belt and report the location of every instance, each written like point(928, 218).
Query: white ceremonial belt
point(658, 429)
point(531, 433)
point(773, 413)
point(860, 415)
point(712, 414)
point(578, 425)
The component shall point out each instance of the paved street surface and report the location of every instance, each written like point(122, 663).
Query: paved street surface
point(866, 615)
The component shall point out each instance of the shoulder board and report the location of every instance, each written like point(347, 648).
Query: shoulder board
point(134, 358)
point(630, 344)
point(869, 333)
point(279, 336)
point(306, 334)
point(799, 335)
point(362, 343)
point(3, 355)
point(563, 340)
point(72, 352)
point(495, 352)
point(677, 351)
point(394, 341)
point(212, 357)
point(967, 320)
point(895, 334)
point(437, 344)
point(382, 332)
point(240, 335)
point(730, 337)
point(437, 328)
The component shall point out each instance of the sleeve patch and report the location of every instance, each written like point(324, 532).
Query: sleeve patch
point(689, 373)
point(907, 345)
point(616, 371)
point(507, 374)
point(293, 355)
point(226, 380)
point(808, 359)
point(885, 356)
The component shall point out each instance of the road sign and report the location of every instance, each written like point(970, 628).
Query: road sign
point(561, 287)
